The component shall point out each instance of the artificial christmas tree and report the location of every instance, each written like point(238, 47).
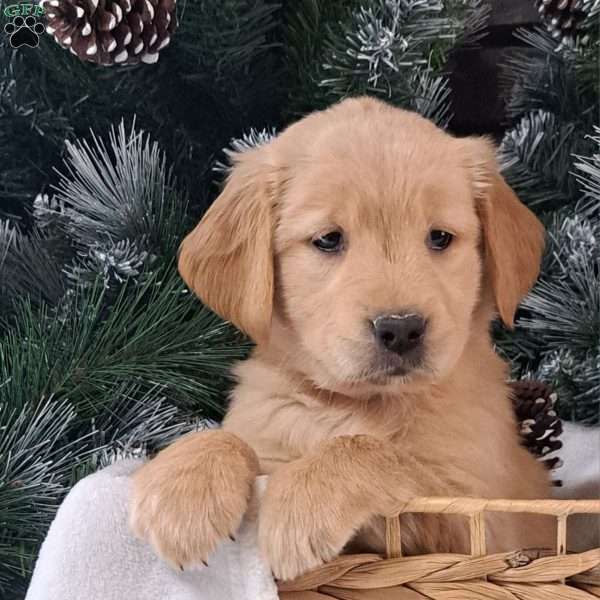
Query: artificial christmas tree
point(103, 352)
point(550, 157)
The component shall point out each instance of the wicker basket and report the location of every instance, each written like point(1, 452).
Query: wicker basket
point(479, 576)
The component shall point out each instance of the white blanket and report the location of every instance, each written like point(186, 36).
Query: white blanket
point(89, 553)
point(580, 474)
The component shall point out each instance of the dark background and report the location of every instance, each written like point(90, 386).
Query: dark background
point(478, 97)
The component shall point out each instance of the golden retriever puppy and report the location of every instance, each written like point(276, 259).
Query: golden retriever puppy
point(366, 252)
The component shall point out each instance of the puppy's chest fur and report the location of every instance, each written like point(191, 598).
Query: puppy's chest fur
point(462, 437)
point(283, 420)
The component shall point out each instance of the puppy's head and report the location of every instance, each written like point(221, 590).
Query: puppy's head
point(362, 243)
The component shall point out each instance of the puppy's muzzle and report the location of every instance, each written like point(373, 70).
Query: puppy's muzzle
point(400, 333)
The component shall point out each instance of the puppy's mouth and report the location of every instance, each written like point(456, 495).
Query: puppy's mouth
point(372, 367)
point(392, 373)
point(385, 376)
point(401, 371)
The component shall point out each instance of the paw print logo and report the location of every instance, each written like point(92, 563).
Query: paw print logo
point(24, 31)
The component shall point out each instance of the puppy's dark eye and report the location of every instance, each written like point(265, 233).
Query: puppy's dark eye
point(439, 240)
point(329, 242)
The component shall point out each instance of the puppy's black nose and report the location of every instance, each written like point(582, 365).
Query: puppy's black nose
point(399, 333)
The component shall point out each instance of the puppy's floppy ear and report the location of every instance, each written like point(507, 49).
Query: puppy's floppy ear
point(227, 260)
point(513, 237)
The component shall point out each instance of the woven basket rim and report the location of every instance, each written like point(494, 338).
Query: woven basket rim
point(545, 574)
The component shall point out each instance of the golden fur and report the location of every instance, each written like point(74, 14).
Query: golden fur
point(341, 438)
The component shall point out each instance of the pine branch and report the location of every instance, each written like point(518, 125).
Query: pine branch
point(430, 96)
point(566, 312)
point(544, 77)
point(470, 17)
point(576, 378)
point(113, 264)
point(216, 41)
point(249, 140)
point(138, 424)
point(587, 172)
point(536, 156)
point(573, 239)
point(384, 43)
point(153, 333)
point(538, 80)
point(135, 425)
point(36, 460)
point(121, 193)
point(395, 50)
point(308, 27)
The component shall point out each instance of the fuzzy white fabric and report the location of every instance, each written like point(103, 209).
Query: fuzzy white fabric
point(580, 475)
point(89, 553)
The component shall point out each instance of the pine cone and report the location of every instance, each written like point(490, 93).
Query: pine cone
point(561, 17)
point(112, 31)
point(539, 426)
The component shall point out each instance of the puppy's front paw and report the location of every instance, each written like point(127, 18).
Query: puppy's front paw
point(303, 522)
point(192, 495)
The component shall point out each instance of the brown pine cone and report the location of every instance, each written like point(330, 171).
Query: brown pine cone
point(112, 31)
point(561, 17)
point(539, 425)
